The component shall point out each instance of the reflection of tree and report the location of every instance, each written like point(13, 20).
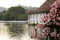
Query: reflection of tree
point(15, 28)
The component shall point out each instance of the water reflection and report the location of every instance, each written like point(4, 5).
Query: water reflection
point(3, 32)
point(14, 31)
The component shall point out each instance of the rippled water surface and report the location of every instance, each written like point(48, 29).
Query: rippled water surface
point(14, 31)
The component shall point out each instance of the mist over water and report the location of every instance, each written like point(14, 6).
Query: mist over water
point(4, 32)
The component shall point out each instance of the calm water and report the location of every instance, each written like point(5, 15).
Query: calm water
point(14, 31)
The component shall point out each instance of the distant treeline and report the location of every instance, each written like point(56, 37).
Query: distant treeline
point(14, 13)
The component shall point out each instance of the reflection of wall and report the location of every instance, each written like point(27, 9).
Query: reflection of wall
point(31, 30)
point(26, 26)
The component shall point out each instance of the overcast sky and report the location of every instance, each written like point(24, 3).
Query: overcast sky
point(9, 3)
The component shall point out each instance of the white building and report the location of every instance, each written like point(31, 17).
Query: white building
point(34, 16)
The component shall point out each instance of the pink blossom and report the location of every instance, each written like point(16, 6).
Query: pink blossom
point(40, 25)
point(53, 34)
point(35, 34)
point(55, 5)
point(46, 30)
point(44, 19)
point(58, 24)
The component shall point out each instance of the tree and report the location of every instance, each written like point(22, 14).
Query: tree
point(2, 15)
point(15, 13)
point(54, 21)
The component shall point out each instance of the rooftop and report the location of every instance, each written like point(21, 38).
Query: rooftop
point(45, 7)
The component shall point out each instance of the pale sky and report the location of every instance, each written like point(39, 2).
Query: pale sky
point(9, 3)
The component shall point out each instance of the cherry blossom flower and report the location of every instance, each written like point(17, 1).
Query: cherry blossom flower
point(53, 34)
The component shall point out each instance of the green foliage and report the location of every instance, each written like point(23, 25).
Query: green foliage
point(14, 13)
point(2, 15)
point(23, 17)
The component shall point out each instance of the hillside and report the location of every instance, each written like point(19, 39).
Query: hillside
point(2, 9)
